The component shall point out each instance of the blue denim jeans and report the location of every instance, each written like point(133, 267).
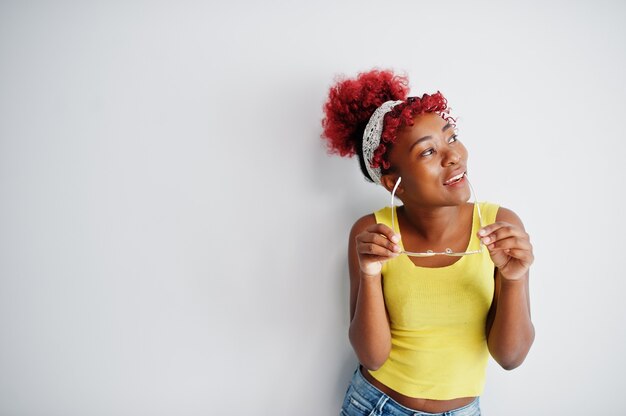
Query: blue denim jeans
point(363, 399)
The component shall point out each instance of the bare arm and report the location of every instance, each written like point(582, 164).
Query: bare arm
point(510, 332)
point(369, 246)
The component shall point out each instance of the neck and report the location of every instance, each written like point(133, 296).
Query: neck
point(434, 224)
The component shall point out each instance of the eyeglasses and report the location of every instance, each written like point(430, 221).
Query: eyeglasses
point(448, 251)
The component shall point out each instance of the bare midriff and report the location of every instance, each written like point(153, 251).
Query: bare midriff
point(414, 403)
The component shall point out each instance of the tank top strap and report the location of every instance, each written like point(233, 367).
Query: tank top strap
point(383, 216)
point(489, 212)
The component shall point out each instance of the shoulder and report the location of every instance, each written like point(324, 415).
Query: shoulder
point(508, 215)
point(361, 224)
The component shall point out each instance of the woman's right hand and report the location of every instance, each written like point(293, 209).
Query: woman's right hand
point(374, 246)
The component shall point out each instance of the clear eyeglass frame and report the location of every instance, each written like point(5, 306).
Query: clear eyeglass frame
point(448, 251)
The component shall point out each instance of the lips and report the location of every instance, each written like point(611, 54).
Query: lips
point(456, 177)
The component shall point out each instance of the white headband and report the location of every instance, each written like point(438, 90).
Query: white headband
point(371, 137)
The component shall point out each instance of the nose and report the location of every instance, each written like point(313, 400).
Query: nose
point(451, 157)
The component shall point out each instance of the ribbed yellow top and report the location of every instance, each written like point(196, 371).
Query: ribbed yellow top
point(437, 318)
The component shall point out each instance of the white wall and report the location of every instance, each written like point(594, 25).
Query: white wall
point(173, 235)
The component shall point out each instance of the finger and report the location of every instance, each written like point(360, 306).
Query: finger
point(513, 247)
point(488, 229)
point(372, 249)
point(384, 230)
point(511, 242)
point(503, 232)
point(523, 255)
point(369, 259)
point(378, 239)
point(518, 253)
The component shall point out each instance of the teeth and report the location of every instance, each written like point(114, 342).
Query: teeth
point(455, 178)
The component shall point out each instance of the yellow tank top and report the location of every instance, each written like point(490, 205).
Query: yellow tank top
point(437, 319)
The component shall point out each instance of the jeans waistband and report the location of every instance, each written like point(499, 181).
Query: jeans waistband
point(390, 407)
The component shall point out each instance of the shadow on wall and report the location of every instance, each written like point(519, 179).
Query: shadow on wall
point(335, 195)
point(333, 179)
point(346, 358)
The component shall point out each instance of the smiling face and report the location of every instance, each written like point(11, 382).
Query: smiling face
point(429, 157)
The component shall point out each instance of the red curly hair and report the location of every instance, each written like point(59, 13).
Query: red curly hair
point(351, 103)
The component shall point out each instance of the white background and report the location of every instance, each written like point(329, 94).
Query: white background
point(173, 234)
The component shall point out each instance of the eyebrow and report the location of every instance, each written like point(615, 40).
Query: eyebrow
point(448, 125)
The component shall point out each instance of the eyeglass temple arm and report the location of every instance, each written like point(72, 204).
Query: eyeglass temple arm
point(480, 216)
point(393, 194)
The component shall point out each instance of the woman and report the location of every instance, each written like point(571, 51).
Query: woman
point(423, 325)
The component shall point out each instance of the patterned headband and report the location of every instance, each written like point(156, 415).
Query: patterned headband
point(371, 137)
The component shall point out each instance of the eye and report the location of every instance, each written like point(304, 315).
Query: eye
point(428, 152)
point(453, 139)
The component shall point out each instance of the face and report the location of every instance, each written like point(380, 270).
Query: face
point(427, 155)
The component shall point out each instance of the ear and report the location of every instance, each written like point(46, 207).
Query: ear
point(389, 181)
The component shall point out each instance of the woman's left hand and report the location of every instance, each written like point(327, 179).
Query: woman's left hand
point(509, 247)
